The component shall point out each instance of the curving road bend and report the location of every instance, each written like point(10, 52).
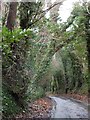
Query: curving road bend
point(66, 108)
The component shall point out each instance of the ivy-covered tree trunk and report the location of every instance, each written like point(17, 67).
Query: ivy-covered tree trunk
point(87, 26)
point(77, 71)
point(66, 76)
point(14, 76)
point(43, 67)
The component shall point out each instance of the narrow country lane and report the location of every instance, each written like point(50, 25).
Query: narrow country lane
point(66, 108)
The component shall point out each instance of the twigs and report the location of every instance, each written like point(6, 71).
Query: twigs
point(42, 13)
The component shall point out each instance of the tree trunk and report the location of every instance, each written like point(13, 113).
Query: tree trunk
point(88, 55)
point(12, 16)
point(87, 26)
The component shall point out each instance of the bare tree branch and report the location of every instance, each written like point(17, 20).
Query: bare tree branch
point(42, 13)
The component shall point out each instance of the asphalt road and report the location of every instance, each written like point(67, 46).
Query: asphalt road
point(66, 108)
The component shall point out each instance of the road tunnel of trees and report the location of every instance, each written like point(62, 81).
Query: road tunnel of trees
point(40, 55)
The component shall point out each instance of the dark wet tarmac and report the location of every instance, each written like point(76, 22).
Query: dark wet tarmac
point(66, 108)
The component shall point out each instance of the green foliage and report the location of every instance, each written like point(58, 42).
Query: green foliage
point(71, 35)
point(67, 71)
point(35, 93)
point(12, 39)
point(15, 78)
point(84, 89)
point(29, 12)
point(10, 108)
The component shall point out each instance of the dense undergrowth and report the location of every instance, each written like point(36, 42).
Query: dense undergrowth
point(10, 106)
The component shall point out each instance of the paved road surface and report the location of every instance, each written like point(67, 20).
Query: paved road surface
point(66, 108)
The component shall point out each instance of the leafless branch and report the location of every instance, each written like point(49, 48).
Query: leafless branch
point(42, 13)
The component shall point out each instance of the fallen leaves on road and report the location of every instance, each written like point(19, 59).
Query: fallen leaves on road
point(39, 109)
